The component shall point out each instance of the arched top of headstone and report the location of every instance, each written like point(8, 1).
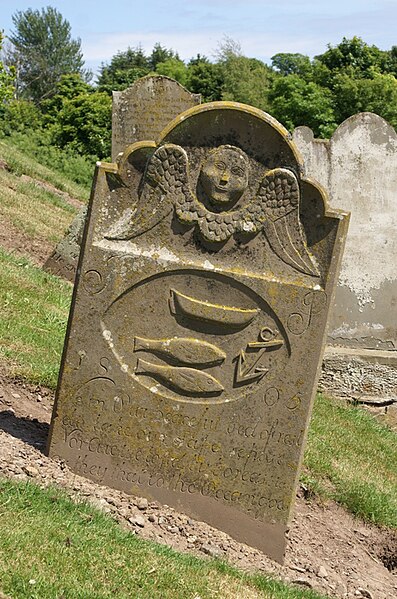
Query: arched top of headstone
point(176, 178)
point(380, 130)
point(253, 130)
point(143, 110)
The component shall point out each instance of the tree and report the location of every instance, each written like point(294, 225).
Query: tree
point(354, 57)
point(160, 54)
point(205, 78)
point(298, 102)
point(7, 79)
point(246, 80)
point(84, 124)
point(378, 95)
point(68, 87)
point(291, 64)
point(44, 51)
point(124, 68)
point(174, 68)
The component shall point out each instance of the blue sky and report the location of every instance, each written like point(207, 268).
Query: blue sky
point(262, 27)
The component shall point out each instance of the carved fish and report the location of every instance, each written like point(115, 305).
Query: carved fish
point(185, 380)
point(183, 349)
point(222, 315)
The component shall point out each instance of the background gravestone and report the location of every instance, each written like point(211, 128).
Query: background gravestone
point(358, 166)
point(139, 112)
point(64, 259)
point(144, 109)
point(198, 323)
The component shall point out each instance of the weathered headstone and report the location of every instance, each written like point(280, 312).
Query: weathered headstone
point(64, 259)
point(144, 109)
point(358, 166)
point(139, 112)
point(198, 323)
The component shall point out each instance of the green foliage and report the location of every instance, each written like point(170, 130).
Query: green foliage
point(297, 102)
point(292, 64)
point(354, 57)
point(391, 61)
point(84, 125)
point(132, 64)
point(160, 54)
point(246, 80)
point(124, 68)
point(19, 115)
point(174, 68)
point(31, 153)
point(43, 51)
point(377, 95)
point(7, 78)
point(68, 87)
point(205, 78)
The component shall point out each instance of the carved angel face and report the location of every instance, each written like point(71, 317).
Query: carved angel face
point(224, 175)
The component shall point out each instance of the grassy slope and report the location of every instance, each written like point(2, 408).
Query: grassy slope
point(33, 316)
point(352, 458)
point(20, 163)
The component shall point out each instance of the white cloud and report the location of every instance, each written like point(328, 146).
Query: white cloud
point(103, 47)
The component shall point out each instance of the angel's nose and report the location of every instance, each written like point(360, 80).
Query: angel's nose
point(224, 177)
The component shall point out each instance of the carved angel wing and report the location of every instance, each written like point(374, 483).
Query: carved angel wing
point(164, 181)
point(278, 215)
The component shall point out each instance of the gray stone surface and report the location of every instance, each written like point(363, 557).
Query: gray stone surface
point(198, 323)
point(64, 259)
point(358, 168)
point(364, 375)
point(144, 109)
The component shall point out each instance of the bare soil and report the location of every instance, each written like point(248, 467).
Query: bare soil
point(328, 549)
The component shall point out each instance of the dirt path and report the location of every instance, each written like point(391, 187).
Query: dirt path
point(328, 550)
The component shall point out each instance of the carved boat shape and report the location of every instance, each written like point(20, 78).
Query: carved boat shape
point(182, 349)
point(183, 380)
point(183, 305)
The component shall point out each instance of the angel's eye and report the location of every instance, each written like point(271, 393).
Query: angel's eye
point(238, 171)
point(220, 166)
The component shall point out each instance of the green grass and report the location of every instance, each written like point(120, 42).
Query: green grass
point(36, 212)
point(352, 459)
point(33, 316)
point(52, 547)
point(25, 156)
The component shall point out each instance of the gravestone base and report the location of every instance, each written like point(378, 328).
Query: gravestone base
point(366, 376)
